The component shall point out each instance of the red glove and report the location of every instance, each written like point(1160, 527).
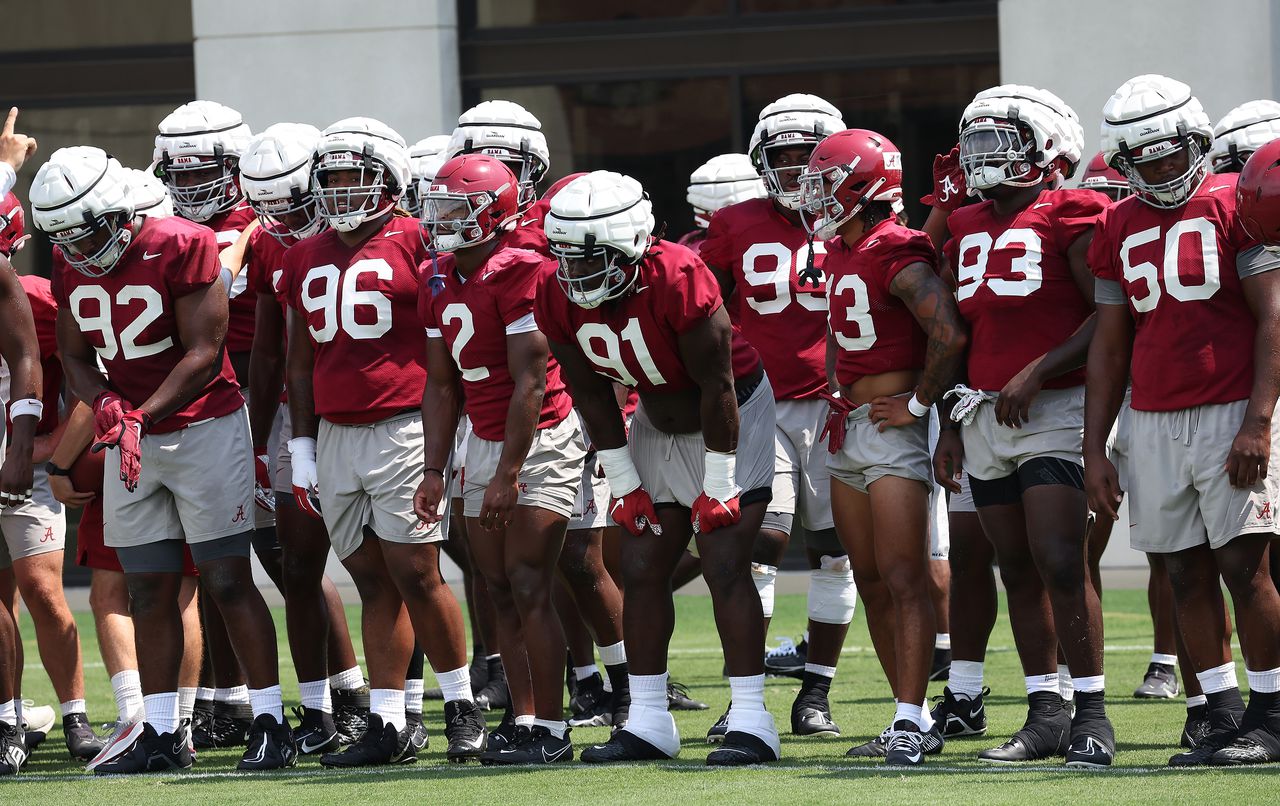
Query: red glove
point(710, 514)
point(949, 189)
point(634, 512)
point(717, 504)
point(126, 436)
point(262, 494)
point(833, 431)
point(108, 408)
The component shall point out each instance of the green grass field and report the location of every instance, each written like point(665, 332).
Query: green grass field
point(812, 771)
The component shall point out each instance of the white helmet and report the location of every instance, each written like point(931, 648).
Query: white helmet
point(602, 215)
point(1241, 132)
point(199, 136)
point(80, 192)
point(720, 182)
point(1020, 136)
point(511, 133)
point(150, 196)
point(793, 121)
point(371, 147)
point(1149, 117)
point(425, 158)
point(275, 172)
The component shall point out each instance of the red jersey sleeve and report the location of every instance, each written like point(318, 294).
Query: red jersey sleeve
point(905, 247)
point(1078, 212)
point(693, 296)
point(518, 289)
point(197, 266)
point(44, 309)
point(547, 310)
point(1102, 254)
point(717, 243)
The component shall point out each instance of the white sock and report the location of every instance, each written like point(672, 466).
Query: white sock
point(236, 695)
point(819, 669)
point(1066, 683)
point(9, 713)
point(315, 696)
point(1219, 678)
point(413, 695)
point(1164, 660)
point(1197, 700)
point(72, 707)
point(926, 718)
point(613, 654)
point(556, 726)
point(1089, 685)
point(127, 687)
point(965, 678)
point(765, 578)
point(351, 678)
point(202, 693)
point(267, 701)
point(1267, 682)
point(648, 690)
point(584, 672)
point(456, 684)
point(942, 640)
point(1042, 682)
point(525, 719)
point(186, 701)
point(388, 703)
point(747, 692)
point(909, 712)
point(162, 711)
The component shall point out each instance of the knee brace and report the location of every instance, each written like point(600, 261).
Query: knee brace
point(832, 594)
point(764, 577)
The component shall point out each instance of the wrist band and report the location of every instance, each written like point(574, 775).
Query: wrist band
point(916, 408)
point(433, 470)
point(53, 470)
point(26, 406)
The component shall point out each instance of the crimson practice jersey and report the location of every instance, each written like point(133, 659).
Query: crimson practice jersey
point(634, 340)
point(474, 317)
point(128, 315)
point(265, 265)
point(873, 328)
point(360, 304)
point(694, 240)
point(1014, 284)
point(45, 310)
point(527, 234)
point(243, 304)
point(764, 253)
point(1193, 338)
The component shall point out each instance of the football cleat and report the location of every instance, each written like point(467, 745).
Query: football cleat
point(13, 749)
point(504, 741)
point(123, 734)
point(538, 746)
point(495, 693)
point(716, 734)
point(1261, 745)
point(876, 748)
point(811, 715)
point(740, 749)
point(591, 706)
point(1045, 734)
point(1093, 739)
point(464, 729)
point(82, 743)
point(270, 745)
point(479, 671)
point(375, 747)
point(411, 741)
point(1196, 727)
point(1160, 683)
point(1223, 726)
point(678, 698)
point(960, 716)
point(787, 659)
point(906, 745)
point(316, 732)
point(350, 713)
point(941, 668)
point(229, 727)
point(201, 717)
point(37, 721)
point(623, 746)
point(150, 752)
point(504, 734)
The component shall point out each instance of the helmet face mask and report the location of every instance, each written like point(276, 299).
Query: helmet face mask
point(201, 186)
point(95, 248)
point(290, 219)
point(997, 152)
point(822, 213)
point(1146, 180)
point(349, 189)
point(591, 275)
point(450, 221)
point(782, 160)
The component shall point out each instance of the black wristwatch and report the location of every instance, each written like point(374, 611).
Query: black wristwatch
point(54, 470)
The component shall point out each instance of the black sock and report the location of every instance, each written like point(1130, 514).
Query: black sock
point(815, 682)
point(1091, 703)
point(618, 677)
point(1228, 701)
point(415, 664)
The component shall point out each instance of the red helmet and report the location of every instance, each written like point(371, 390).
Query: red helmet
point(12, 225)
point(1103, 178)
point(1258, 194)
point(846, 171)
point(559, 185)
point(472, 198)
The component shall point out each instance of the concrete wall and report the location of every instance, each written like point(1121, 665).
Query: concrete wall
point(317, 61)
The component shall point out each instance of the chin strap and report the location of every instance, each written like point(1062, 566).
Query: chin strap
point(436, 281)
point(810, 273)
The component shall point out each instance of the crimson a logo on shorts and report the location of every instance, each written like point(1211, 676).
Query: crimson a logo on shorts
point(590, 508)
point(48, 535)
point(239, 517)
point(1264, 512)
point(524, 487)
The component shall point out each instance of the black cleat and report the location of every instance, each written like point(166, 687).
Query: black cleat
point(505, 742)
point(411, 741)
point(873, 749)
point(1093, 740)
point(350, 713)
point(678, 698)
point(591, 706)
point(740, 749)
point(716, 734)
point(464, 729)
point(495, 693)
point(620, 705)
point(82, 742)
point(1261, 745)
point(504, 734)
point(479, 671)
point(787, 659)
point(376, 747)
point(271, 745)
point(13, 749)
point(1045, 734)
point(229, 727)
point(152, 752)
point(1224, 725)
point(960, 716)
point(811, 715)
point(941, 668)
point(537, 745)
point(1196, 728)
point(316, 732)
point(906, 747)
point(622, 746)
point(201, 717)
point(1160, 683)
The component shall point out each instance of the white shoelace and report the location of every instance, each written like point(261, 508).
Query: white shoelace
point(785, 647)
point(967, 402)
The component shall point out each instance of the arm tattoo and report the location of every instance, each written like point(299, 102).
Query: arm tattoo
point(934, 307)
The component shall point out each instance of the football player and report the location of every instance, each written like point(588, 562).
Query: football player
point(1100, 176)
point(143, 296)
point(1241, 132)
point(275, 173)
point(356, 370)
point(770, 273)
point(1181, 281)
point(718, 183)
point(525, 452)
point(20, 349)
point(697, 462)
point(1024, 288)
point(15, 148)
point(896, 340)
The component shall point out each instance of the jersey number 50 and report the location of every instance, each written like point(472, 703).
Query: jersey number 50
point(1151, 275)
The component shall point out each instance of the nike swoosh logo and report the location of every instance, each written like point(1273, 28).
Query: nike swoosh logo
point(528, 222)
point(308, 748)
point(1041, 204)
point(1218, 187)
point(389, 234)
point(915, 757)
point(148, 256)
point(556, 756)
